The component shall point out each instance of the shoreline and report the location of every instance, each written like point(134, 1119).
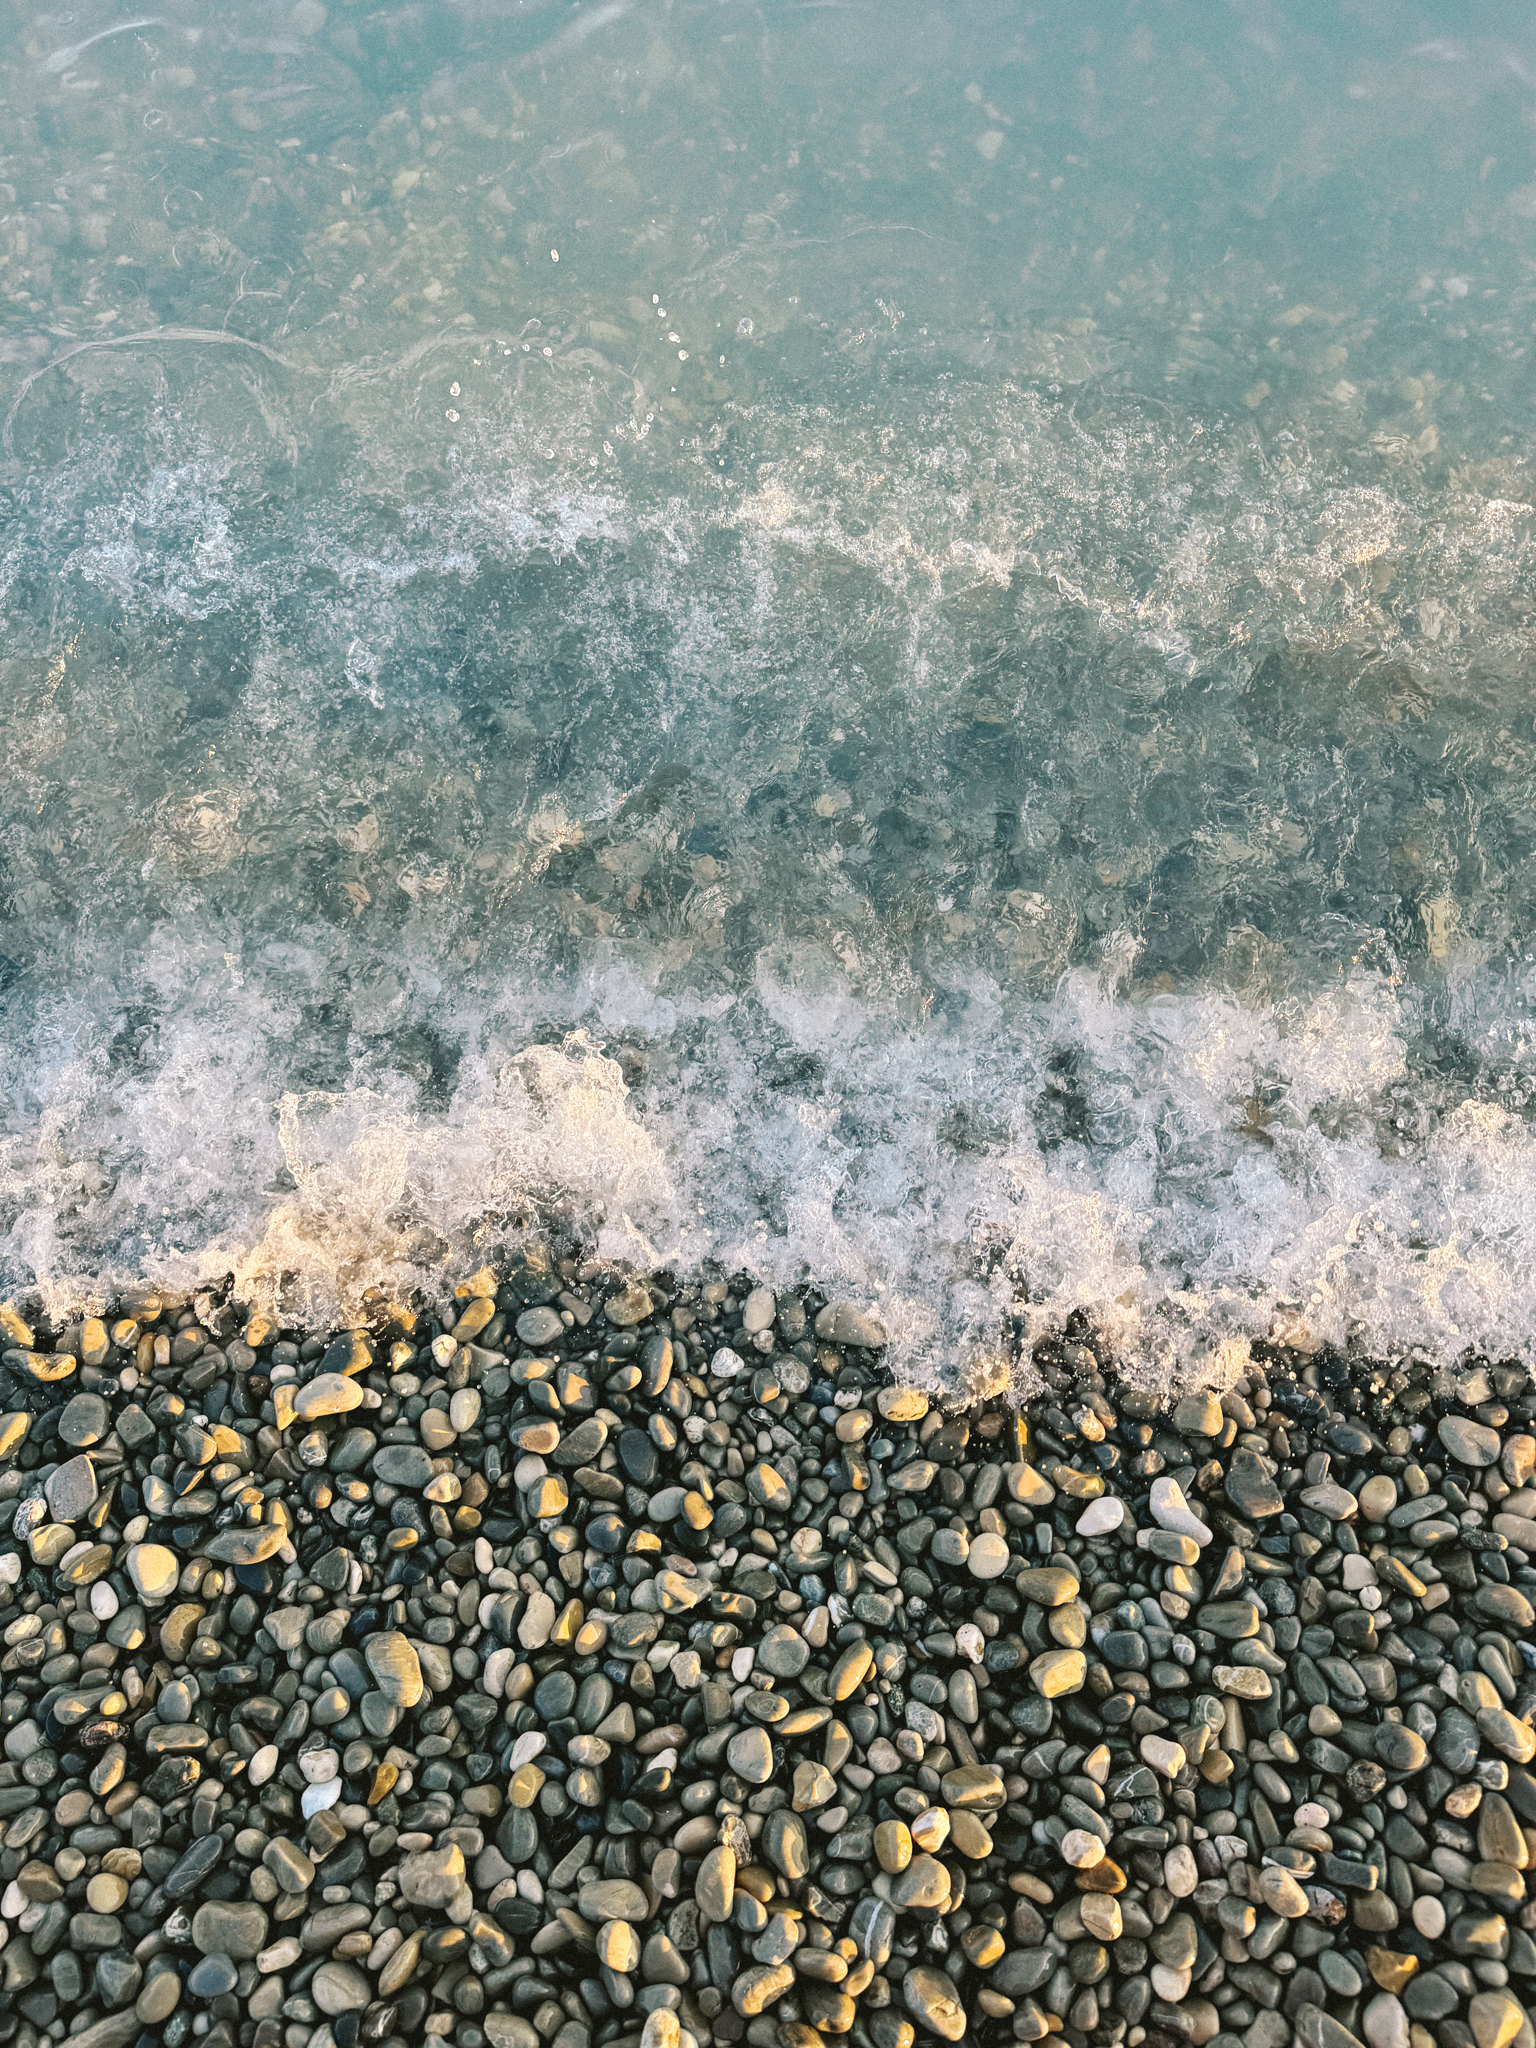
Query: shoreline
point(605, 1663)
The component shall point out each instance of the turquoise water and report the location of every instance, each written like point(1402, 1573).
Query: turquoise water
point(887, 641)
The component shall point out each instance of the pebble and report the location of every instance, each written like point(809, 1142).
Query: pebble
point(608, 1664)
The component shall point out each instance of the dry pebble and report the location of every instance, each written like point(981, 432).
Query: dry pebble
point(608, 1663)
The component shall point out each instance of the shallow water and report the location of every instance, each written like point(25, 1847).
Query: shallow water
point(950, 588)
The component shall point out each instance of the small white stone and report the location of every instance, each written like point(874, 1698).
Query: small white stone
point(103, 1600)
point(319, 1765)
point(1429, 1918)
point(1370, 1598)
point(1169, 1983)
point(742, 1661)
point(1171, 1511)
point(262, 1764)
point(726, 1363)
point(1358, 1572)
point(529, 1469)
point(527, 1746)
point(1101, 1515)
point(758, 1310)
point(1163, 1755)
point(318, 1797)
point(1180, 1871)
point(1081, 1848)
point(1384, 2022)
point(989, 1556)
point(970, 1642)
point(1310, 1815)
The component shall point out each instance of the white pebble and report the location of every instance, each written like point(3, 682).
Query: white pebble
point(319, 1765)
point(1171, 1511)
point(262, 1764)
point(318, 1797)
point(742, 1661)
point(1310, 1815)
point(1081, 1848)
point(527, 1746)
point(1180, 1871)
point(1429, 1918)
point(1101, 1516)
point(103, 1601)
point(970, 1642)
point(1384, 2022)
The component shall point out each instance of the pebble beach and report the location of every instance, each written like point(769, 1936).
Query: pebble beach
point(608, 1663)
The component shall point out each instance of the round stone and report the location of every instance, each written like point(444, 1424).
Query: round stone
point(1469, 1443)
point(750, 1755)
point(758, 1310)
point(932, 2000)
point(396, 1668)
point(106, 1893)
point(783, 1652)
point(70, 1489)
point(212, 1977)
point(85, 1421)
point(339, 1987)
point(328, 1393)
point(1101, 1516)
point(159, 1998)
point(989, 1556)
point(1081, 1849)
point(154, 1571)
point(537, 1327)
point(230, 1928)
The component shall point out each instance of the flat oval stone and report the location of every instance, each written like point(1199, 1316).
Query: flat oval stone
point(154, 1570)
point(750, 1755)
point(328, 1393)
point(932, 2000)
point(247, 1546)
point(70, 1489)
point(403, 1465)
point(901, 1404)
point(783, 1652)
point(339, 1987)
point(396, 1668)
point(213, 1976)
point(237, 1929)
point(1059, 1671)
point(85, 1421)
point(613, 1898)
point(1101, 1516)
point(842, 1322)
point(1047, 1585)
point(1469, 1443)
point(989, 1556)
point(784, 1844)
point(537, 1327)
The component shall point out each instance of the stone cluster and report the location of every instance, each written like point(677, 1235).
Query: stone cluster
point(608, 1663)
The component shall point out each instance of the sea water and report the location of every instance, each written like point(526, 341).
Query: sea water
point(885, 641)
